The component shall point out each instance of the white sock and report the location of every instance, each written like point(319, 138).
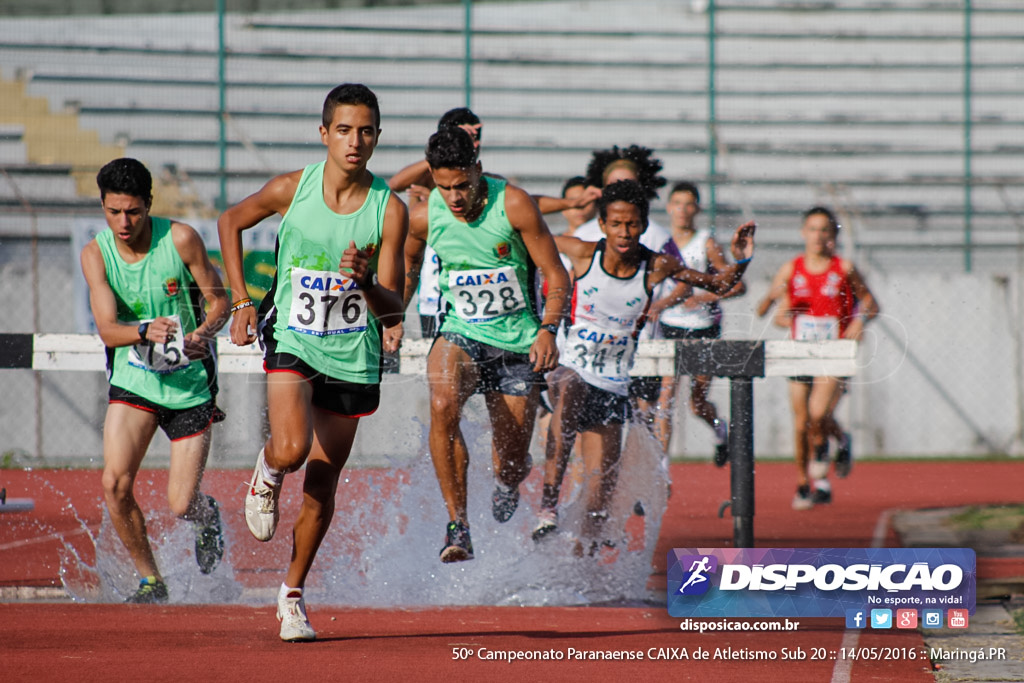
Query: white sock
point(268, 474)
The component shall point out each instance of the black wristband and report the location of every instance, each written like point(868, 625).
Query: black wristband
point(370, 281)
point(550, 327)
point(143, 329)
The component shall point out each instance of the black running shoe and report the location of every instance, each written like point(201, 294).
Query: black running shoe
point(803, 500)
point(821, 493)
point(209, 540)
point(844, 456)
point(721, 454)
point(149, 593)
point(504, 502)
point(458, 547)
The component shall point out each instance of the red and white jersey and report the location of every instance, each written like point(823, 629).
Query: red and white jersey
point(821, 303)
point(606, 315)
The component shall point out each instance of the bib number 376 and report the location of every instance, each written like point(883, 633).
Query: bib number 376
point(325, 303)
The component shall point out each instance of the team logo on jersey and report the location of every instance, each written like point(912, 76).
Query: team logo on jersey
point(590, 291)
point(503, 250)
point(634, 302)
point(831, 286)
point(171, 286)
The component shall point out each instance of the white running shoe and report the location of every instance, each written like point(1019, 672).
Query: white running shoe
point(261, 512)
point(820, 462)
point(547, 523)
point(291, 612)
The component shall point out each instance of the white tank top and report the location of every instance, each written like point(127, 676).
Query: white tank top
point(429, 291)
point(694, 256)
point(606, 316)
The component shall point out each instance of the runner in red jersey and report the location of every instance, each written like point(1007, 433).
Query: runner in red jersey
point(821, 297)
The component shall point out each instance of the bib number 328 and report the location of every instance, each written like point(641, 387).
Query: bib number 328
point(482, 295)
point(325, 303)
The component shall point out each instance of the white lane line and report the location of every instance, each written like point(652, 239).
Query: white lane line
point(843, 666)
point(14, 545)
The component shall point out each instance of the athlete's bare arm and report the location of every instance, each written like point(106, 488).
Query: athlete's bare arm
point(742, 247)
point(274, 197)
point(776, 291)
point(416, 179)
point(548, 204)
point(579, 252)
point(867, 304)
point(104, 306)
point(525, 217)
point(716, 257)
point(193, 254)
point(415, 247)
point(385, 299)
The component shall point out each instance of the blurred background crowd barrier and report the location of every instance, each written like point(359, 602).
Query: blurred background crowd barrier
point(904, 117)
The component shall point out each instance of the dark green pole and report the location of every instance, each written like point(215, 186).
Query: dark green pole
point(467, 6)
point(222, 143)
point(968, 145)
point(712, 114)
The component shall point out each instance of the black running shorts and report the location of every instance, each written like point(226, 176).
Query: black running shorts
point(177, 424)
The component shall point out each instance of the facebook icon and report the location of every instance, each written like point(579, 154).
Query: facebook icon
point(855, 618)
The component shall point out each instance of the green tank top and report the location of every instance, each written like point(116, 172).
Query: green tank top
point(486, 275)
point(160, 285)
point(319, 314)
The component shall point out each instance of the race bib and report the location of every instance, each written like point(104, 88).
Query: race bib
point(162, 358)
point(325, 303)
point(814, 328)
point(602, 353)
point(482, 295)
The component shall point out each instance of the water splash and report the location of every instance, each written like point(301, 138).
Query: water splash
point(111, 576)
point(382, 550)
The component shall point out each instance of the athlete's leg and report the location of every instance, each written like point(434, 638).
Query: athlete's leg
point(127, 432)
point(188, 460)
point(512, 419)
point(602, 448)
point(290, 413)
point(663, 412)
point(823, 398)
point(452, 376)
point(332, 442)
point(799, 393)
point(565, 388)
point(699, 403)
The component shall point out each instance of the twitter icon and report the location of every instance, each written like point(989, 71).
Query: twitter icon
point(881, 618)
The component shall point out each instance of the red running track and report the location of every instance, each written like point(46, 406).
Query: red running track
point(101, 642)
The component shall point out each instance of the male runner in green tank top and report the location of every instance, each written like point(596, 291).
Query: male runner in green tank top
point(339, 278)
point(487, 234)
point(147, 277)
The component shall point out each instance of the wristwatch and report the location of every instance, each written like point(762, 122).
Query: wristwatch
point(550, 327)
point(143, 329)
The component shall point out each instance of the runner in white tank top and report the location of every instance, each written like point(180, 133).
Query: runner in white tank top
point(589, 389)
